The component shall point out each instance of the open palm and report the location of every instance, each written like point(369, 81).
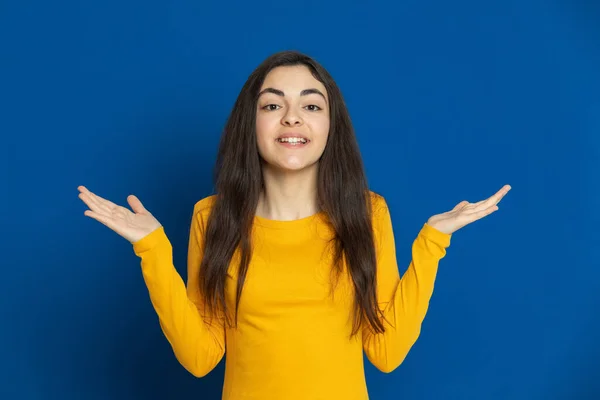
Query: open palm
point(133, 226)
point(465, 213)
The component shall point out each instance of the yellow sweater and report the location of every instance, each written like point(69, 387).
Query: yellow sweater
point(292, 340)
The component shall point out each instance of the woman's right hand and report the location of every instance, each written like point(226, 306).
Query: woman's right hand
point(133, 226)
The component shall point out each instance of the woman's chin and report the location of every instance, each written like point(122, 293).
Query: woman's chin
point(293, 166)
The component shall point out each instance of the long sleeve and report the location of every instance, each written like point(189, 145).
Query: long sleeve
point(405, 301)
point(197, 344)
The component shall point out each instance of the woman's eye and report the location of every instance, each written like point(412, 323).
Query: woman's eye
point(269, 107)
point(315, 106)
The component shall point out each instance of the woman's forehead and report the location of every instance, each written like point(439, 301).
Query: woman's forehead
point(295, 78)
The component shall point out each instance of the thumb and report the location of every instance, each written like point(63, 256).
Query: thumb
point(136, 204)
point(461, 204)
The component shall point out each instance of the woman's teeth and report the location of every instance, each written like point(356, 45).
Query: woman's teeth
point(292, 140)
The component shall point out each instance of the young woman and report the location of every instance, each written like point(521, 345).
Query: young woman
point(291, 265)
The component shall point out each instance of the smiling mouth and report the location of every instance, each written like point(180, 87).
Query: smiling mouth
point(293, 145)
point(296, 141)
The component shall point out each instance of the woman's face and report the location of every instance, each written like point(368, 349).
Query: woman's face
point(292, 101)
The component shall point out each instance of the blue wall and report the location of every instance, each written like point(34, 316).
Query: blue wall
point(450, 101)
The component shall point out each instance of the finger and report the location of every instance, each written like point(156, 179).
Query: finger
point(106, 204)
point(460, 205)
point(101, 203)
point(86, 192)
point(91, 202)
point(500, 194)
point(495, 199)
point(483, 213)
point(136, 204)
point(104, 219)
point(98, 206)
point(86, 196)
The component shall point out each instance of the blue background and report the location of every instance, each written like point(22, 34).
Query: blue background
point(450, 101)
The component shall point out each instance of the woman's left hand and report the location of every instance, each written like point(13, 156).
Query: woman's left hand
point(464, 213)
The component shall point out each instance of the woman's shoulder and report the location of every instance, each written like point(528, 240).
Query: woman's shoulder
point(205, 203)
point(377, 201)
point(203, 206)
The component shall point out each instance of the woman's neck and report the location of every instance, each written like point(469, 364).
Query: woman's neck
point(288, 196)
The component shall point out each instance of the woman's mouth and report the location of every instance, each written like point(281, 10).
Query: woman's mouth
point(294, 143)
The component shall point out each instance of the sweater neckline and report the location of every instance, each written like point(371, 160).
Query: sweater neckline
point(288, 224)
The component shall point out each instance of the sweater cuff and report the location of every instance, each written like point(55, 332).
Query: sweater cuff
point(436, 236)
point(149, 241)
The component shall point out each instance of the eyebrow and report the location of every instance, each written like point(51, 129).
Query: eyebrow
point(305, 92)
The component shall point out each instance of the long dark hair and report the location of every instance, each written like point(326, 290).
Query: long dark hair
point(342, 193)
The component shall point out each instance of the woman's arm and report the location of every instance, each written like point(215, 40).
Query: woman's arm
point(405, 301)
point(198, 345)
